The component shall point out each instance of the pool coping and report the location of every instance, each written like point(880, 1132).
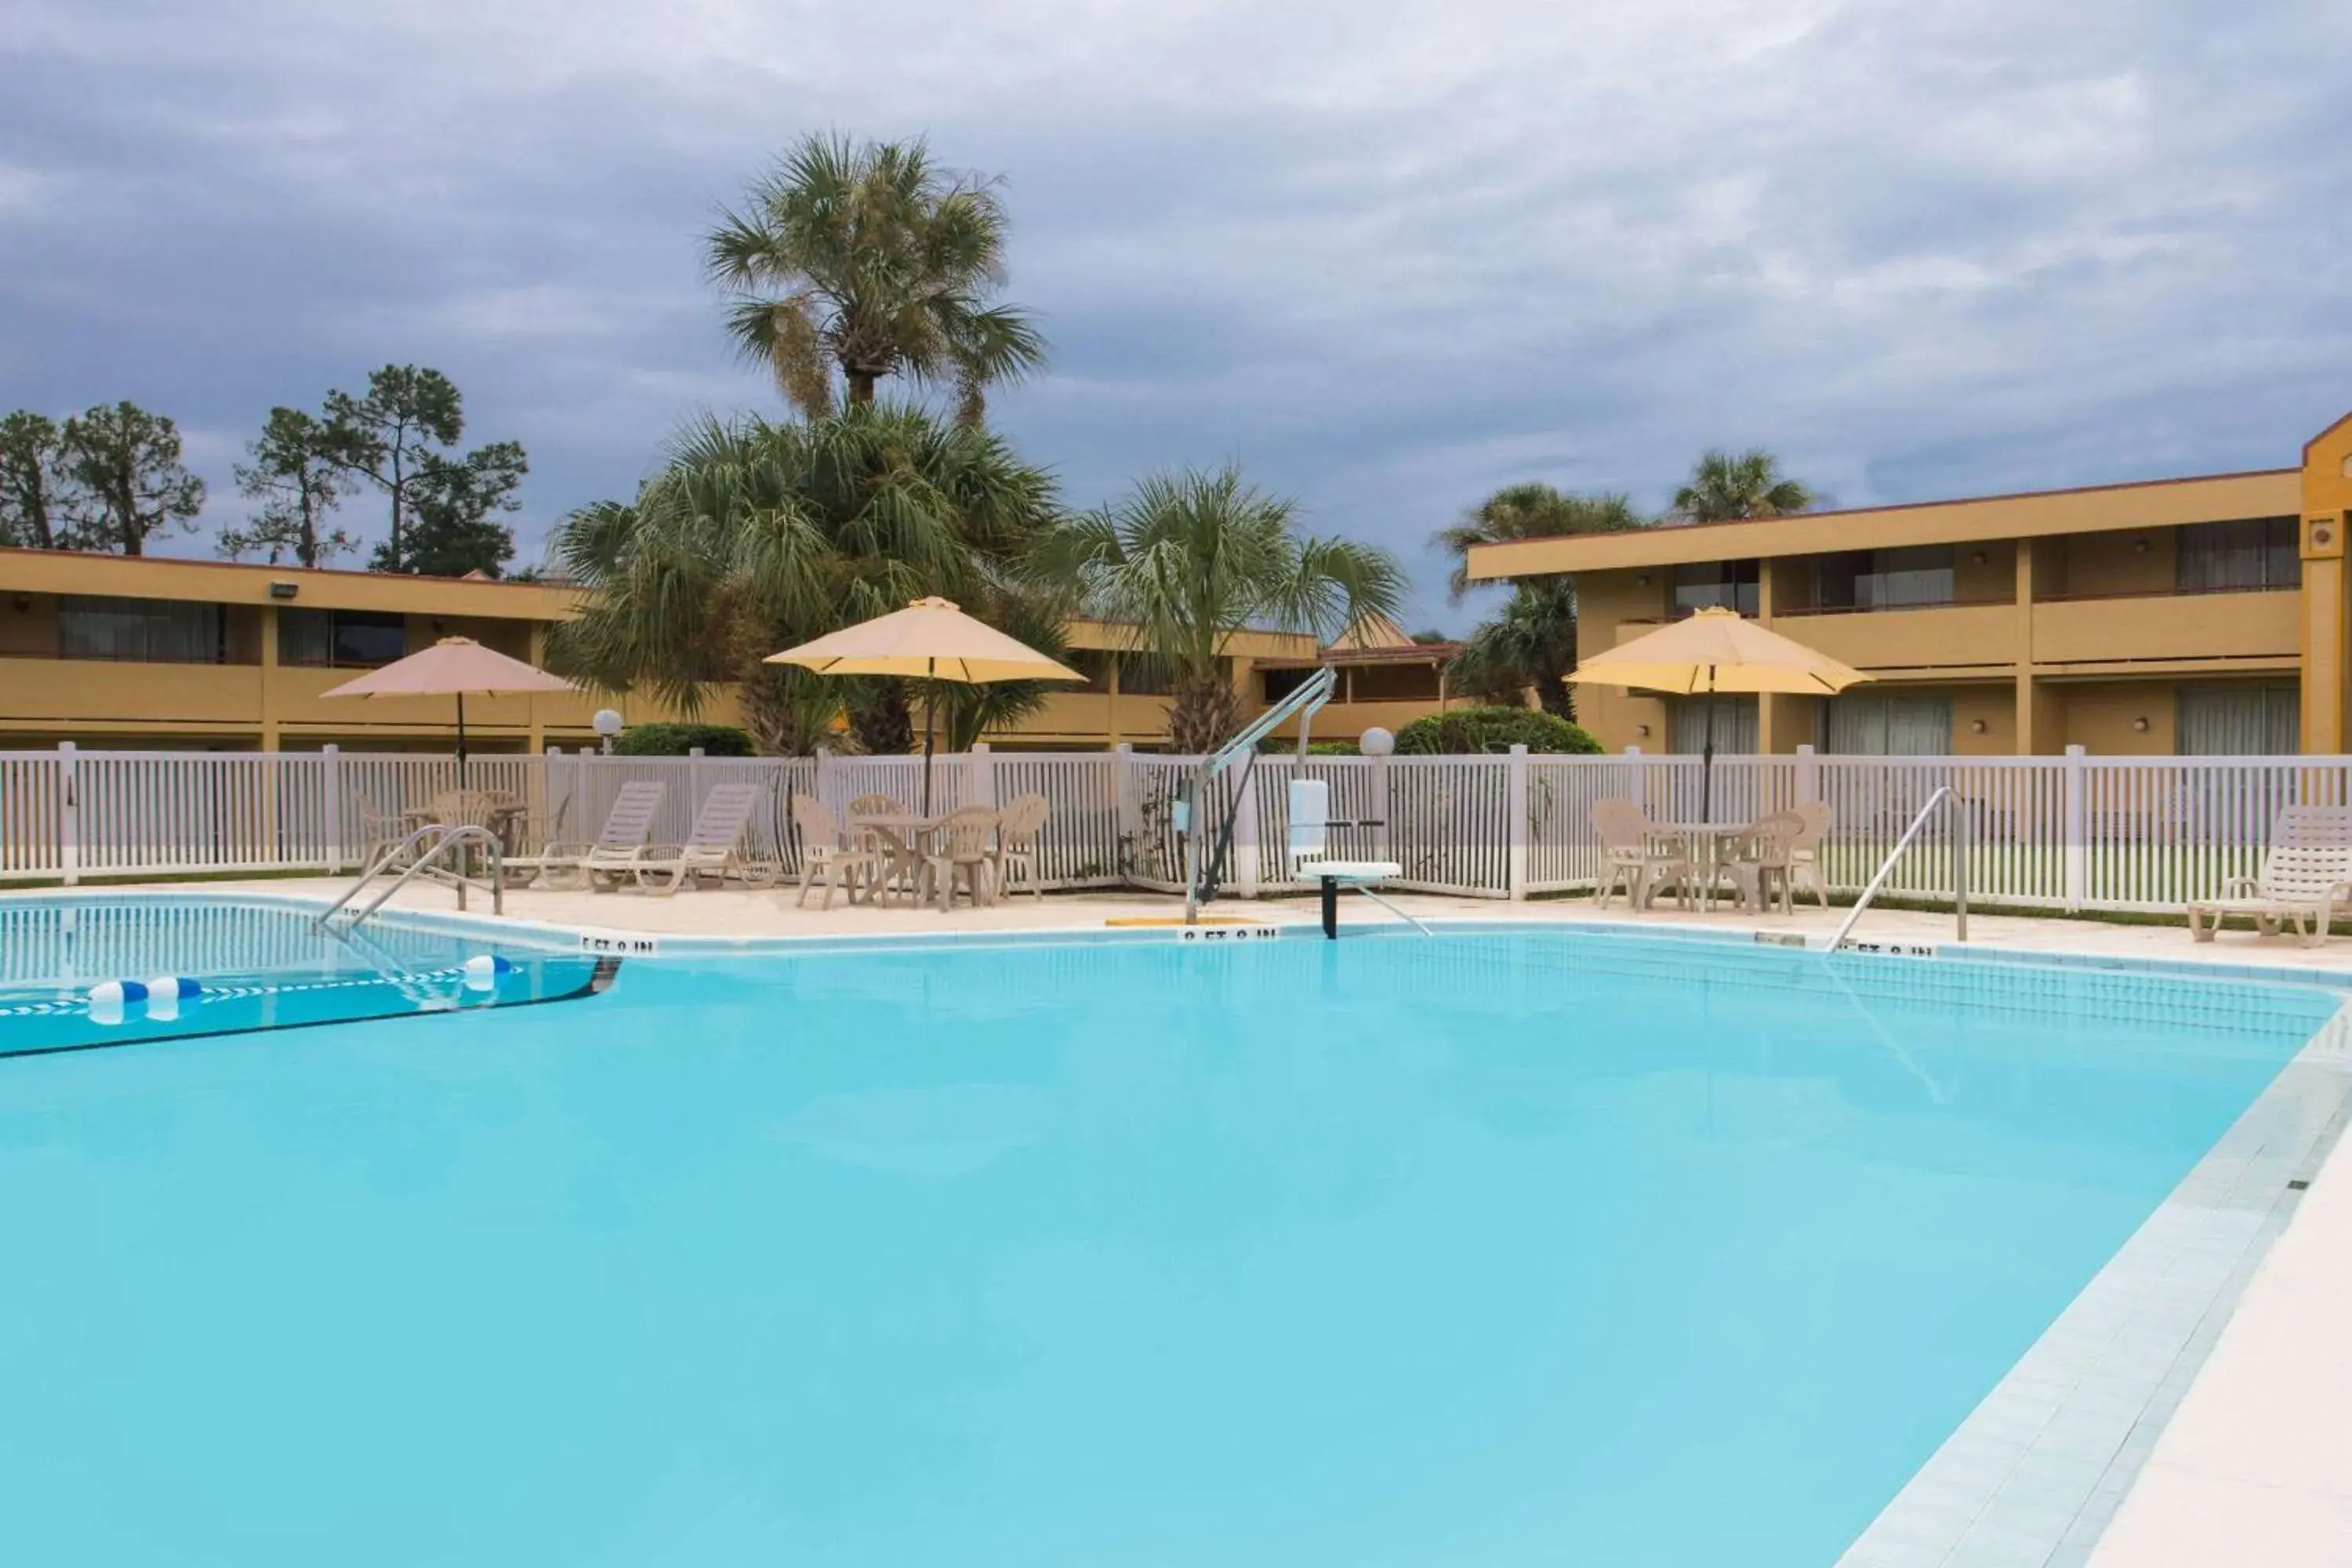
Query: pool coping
point(628, 942)
point(2032, 1475)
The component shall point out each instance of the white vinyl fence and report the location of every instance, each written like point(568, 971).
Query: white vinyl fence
point(2071, 832)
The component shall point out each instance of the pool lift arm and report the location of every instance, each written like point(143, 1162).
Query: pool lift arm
point(1202, 874)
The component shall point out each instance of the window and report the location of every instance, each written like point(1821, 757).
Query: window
point(1736, 730)
point(341, 639)
point(1281, 682)
point(1730, 585)
point(2240, 721)
point(1140, 675)
point(1094, 663)
point(1392, 683)
point(2260, 552)
point(1884, 579)
point(1890, 724)
point(150, 631)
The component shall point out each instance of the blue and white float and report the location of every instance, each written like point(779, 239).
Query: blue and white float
point(482, 971)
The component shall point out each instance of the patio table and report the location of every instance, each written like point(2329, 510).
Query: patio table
point(1709, 842)
point(903, 836)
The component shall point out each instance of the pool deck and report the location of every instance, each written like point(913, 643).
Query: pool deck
point(2253, 1467)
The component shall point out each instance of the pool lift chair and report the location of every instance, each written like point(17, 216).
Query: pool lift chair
point(1310, 817)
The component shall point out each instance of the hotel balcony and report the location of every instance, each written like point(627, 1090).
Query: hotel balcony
point(2256, 627)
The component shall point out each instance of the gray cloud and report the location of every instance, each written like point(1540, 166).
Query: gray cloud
point(1390, 257)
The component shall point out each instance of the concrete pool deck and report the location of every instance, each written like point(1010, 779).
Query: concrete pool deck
point(2254, 1466)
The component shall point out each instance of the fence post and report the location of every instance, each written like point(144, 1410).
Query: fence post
point(1515, 811)
point(2078, 823)
point(1809, 774)
point(693, 781)
point(557, 785)
point(331, 805)
point(1242, 859)
point(980, 777)
point(1122, 795)
point(822, 781)
point(68, 815)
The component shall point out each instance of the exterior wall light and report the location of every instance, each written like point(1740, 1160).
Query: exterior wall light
point(2140, 547)
point(1642, 730)
point(2140, 726)
point(284, 589)
point(1376, 742)
point(1976, 726)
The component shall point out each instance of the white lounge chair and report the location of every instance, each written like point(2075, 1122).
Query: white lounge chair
point(2305, 875)
point(627, 826)
point(1308, 837)
point(714, 848)
point(825, 856)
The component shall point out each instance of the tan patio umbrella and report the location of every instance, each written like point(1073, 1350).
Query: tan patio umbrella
point(453, 667)
point(1716, 651)
point(931, 640)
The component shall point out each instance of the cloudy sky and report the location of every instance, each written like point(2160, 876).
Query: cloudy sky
point(1387, 256)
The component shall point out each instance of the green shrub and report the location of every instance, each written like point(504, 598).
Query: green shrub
point(677, 740)
point(1274, 746)
point(1469, 730)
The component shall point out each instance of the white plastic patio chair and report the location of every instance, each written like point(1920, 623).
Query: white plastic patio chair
point(1016, 844)
point(2305, 875)
point(1805, 849)
point(959, 849)
point(1636, 857)
point(825, 856)
point(1761, 862)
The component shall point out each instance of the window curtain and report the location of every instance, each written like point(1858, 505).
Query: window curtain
point(2259, 552)
point(1890, 724)
point(158, 631)
point(2233, 720)
point(1736, 730)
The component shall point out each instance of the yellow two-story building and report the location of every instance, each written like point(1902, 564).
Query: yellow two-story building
point(2203, 616)
point(110, 651)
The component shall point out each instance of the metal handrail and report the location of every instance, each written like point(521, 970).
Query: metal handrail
point(1960, 847)
point(449, 837)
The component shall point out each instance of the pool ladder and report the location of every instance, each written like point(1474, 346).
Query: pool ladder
point(1943, 799)
point(429, 844)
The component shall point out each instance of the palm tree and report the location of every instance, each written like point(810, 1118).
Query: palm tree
point(1724, 486)
point(867, 259)
point(1189, 559)
point(1531, 641)
point(753, 537)
point(1530, 511)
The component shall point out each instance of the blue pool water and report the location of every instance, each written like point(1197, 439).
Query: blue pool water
point(1509, 1250)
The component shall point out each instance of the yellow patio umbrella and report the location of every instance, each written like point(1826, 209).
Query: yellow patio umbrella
point(931, 640)
point(454, 667)
point(1714, 651)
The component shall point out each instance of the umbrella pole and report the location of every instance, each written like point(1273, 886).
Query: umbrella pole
point(461, 739)
point(930, 691)
point(1706, 757)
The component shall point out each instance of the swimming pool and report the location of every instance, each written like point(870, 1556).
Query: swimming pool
point(1504, 1250)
